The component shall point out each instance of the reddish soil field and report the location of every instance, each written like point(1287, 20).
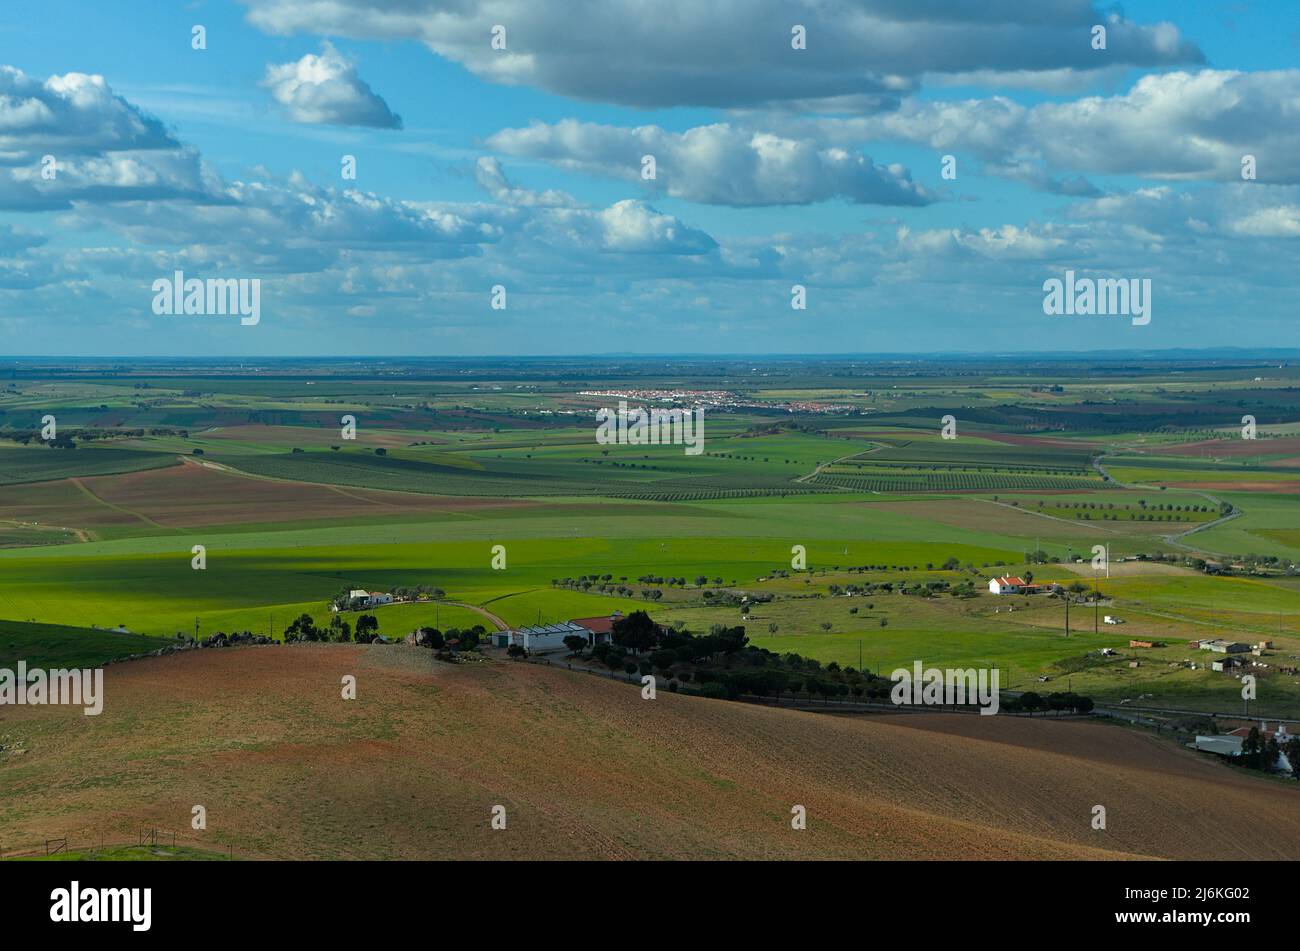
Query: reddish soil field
point(195, 495)
point(1285, 487)
point(1011, 439)
point(1231, 447)
point(587, 769)
point(61, 503)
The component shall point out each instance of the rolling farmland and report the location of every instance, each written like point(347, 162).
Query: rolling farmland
point(852, 539)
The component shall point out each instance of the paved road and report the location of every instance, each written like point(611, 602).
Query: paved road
point(1226, 714)
point(1174, 538)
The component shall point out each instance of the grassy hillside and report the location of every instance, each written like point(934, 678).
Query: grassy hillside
point(54, 645)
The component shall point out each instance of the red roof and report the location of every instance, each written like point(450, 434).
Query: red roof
point(1018, 582)
point(598, 625)
point(1244, 731)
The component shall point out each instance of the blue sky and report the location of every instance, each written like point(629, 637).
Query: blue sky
point(521, 167)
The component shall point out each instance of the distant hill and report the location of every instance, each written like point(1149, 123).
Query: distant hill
point(55, 645)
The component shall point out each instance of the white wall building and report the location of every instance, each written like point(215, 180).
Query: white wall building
point(542, 638)
point(1006, 585)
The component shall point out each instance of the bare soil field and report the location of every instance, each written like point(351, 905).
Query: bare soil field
point(587, 769)
point(1129, 569)
point(1230, 448)
point(1016, 439)
point(1286, 487)
point(196, 495)
point(63, 503)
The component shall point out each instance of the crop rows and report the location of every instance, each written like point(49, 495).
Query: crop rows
point(954, 481)
point(44, 464)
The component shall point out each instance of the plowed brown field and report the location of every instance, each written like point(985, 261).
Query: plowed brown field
point(1282, 487)
point(587, 769)
point(198, 495)
point(1230, 448)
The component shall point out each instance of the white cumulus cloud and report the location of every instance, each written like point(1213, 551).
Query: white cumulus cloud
point(716, 164)
point(326, 89)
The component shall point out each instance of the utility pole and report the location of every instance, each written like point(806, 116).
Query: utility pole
point(1067, 613)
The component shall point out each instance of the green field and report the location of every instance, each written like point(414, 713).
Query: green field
point(42, 464)
point(869, 494)
point(55, 645)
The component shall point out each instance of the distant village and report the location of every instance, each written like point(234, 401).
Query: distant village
point(721, 399)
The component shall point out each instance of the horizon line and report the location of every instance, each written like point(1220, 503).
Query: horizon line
point(1261, 353)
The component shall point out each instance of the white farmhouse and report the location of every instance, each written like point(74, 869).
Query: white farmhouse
point(1006, 585)
point(359, 598)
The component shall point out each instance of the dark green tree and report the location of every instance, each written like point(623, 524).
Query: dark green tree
point(636, 632)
